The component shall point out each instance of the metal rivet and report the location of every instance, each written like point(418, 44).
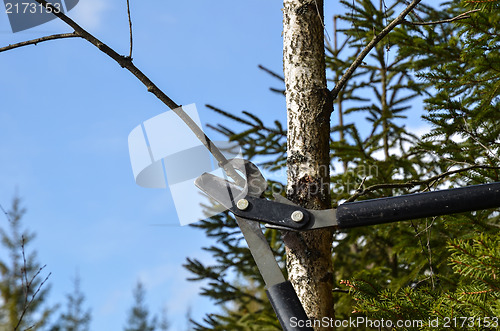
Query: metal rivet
point(242, 204)
point(297, 216)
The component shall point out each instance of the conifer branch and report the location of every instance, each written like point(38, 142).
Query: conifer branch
point(376, 39)
point(275, 90)
point(272, 73)
point(259, 124)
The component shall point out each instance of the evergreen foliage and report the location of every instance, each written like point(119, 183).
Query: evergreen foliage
point(75, 318)
point(464, 113)
point(417, 269)
point(473, 305)
point(138, 317)
point(22, 286)
point(164, 324)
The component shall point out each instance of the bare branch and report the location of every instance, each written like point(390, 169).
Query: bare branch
point(456, 18)
point(376, 39)
point(414, 183)
point(126, 62)
point(24, 280)
point(361, 184)
point(27, 286)
point(6, 214)
point(39, 40)
point(37, 290)
point(130, 28)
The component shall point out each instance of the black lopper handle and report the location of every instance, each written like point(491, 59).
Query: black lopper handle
point(418, 205)
point(287, 307)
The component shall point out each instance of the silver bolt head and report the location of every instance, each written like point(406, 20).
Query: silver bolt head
point(242, 204)
point(297, 216)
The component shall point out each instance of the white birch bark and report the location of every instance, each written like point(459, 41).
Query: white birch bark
point(309, 106)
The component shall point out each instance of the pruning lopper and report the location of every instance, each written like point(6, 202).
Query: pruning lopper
point(250, 208)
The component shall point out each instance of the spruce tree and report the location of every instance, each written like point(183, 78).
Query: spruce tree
point(473, 305)
point(380, 154)
point(75, 317)
point(138, 316)
point(164, 323)
point(376, 158)
point(23, 284)
point(464, 113)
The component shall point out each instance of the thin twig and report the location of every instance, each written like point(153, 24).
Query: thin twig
point(321, 19)
point(126, 62)
point(376, 39)
point(6, 214)
point(427, 227)
point(130, 28)
point(472, 134)
point(455, 162)
point(429, 251)
point(414, 183)
point(359, 189)
point(415, 285)
point(429, 255)
point(24, 271)
point(456, 18)
point(27, 285)
point(39, 40)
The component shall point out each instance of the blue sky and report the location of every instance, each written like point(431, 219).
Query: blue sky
point(66, 111)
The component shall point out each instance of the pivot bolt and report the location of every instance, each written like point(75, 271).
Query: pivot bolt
point(242, 204)
point(297, 216)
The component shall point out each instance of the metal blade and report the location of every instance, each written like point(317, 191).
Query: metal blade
point(222, 191)
point(226, 193)
point(261, 252)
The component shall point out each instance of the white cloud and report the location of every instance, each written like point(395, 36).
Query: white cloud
point(421, 130)
point(88, 13)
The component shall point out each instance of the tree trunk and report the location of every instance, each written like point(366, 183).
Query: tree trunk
point(309, 106)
